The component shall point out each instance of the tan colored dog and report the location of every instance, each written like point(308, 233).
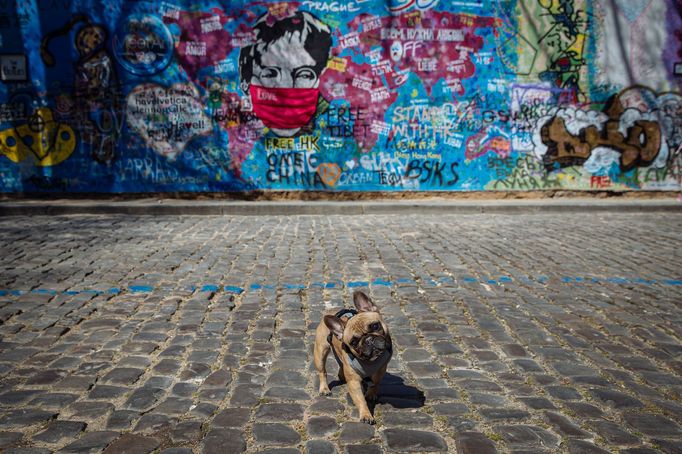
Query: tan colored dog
point(362, 346)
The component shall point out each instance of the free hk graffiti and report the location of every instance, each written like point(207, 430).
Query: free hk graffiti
point(410, 95)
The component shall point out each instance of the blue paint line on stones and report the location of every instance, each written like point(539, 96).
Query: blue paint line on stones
point(351, 284)
point(382, 282)
point(358, 284)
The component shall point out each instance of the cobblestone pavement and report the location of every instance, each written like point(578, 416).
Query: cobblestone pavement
point(524, 334)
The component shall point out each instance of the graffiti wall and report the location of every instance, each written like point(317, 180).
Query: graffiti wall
point(121, 96)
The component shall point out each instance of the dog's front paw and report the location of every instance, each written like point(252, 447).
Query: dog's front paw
point(325, 393)
point(369, 420)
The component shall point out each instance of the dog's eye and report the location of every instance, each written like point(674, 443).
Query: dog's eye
point(354, 342)
point(375, 327)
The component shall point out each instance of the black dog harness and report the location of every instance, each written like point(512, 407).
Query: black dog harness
point(364, 369)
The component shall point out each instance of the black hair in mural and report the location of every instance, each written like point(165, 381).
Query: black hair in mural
point(317, 40)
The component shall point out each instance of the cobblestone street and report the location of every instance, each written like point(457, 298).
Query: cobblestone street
point(179, 334)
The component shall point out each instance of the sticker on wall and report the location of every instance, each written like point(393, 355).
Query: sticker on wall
point(143, 45)
point(13, 68)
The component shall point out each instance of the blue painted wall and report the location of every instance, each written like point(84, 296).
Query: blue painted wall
point(406, 95)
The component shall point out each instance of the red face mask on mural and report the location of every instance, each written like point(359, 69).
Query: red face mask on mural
point(284, 108)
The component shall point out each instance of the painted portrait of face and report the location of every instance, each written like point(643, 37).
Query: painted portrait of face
point(281, 70)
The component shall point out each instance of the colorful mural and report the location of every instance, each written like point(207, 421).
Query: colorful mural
point(404, 95)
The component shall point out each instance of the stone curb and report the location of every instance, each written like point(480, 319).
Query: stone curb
point(261, 208)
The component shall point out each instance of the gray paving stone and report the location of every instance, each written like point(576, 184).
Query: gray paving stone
point(57, 430)
point(231, 417)
point(279, 451)
point(12, 398)
point(564, 393)
point(90, 442)
point(25, 417)
point(474, 443)
point(174, 406)
point(320, 447)
point(406, 419)
point(450, 409)
point(538, 403)
point(8, 439)
point(277, 412)
point(122, 419)
point(132, 444)
point(362, 449)
point(613, 433)
point(526, 435)
point(653, 425)
point(584, 447)
point(220, 378)
point(153, 422)
point(107, 392)
point(616, 399)
point(89, 410)
point(53, 401)
point(143, 398)
point(564, 426)
point(319, 426)
point(187, 431)
point(402, 440)
point(27, 451)
point(184, 389)
point(325, 406)
point(356, 432)
point(496, 414)
point(277, 434)
point(584, 410)
point(219, 441)
point(286, 393)
point(123, 375)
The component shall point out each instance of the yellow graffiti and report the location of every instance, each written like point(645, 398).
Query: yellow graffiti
point(554, 6)
point(42, 138)
point(337, 64)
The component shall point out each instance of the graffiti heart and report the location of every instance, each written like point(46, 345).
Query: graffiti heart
point(166, 118)
point(329, 173)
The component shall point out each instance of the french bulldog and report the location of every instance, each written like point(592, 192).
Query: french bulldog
point(362, 346)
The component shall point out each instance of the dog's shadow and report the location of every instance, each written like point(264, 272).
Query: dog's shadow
point(394, 392)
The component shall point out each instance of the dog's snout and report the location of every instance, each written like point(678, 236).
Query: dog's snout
point(373, 343)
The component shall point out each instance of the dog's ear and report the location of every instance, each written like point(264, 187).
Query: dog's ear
point(335, 325)
point(363, 303)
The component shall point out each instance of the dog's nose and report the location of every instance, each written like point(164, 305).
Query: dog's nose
point(377, 342)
